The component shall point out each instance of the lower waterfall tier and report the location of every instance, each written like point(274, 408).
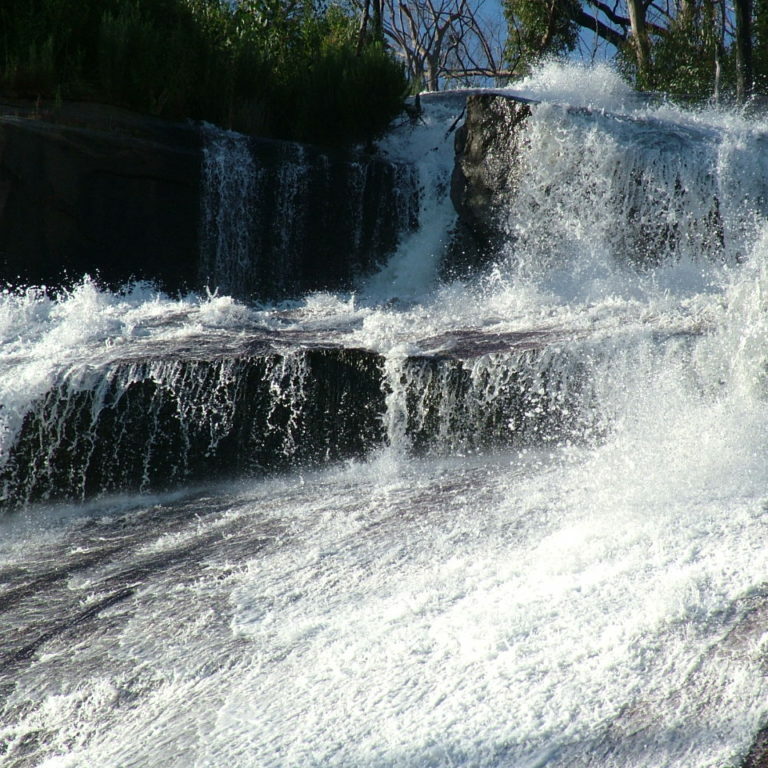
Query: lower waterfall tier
point(161, 422)
point(173, 418)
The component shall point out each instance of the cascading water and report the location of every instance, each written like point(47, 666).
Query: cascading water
point(548, 549)
point(279, 216)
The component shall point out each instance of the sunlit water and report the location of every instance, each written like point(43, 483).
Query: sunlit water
point(597, 598)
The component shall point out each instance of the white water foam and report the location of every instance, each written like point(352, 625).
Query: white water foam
point(46, 338)
point(411, 274)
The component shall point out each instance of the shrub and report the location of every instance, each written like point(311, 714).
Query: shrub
point(345, 94)
point(264, 66)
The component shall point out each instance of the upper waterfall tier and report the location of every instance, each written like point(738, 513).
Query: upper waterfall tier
point(191, 207)
point(281, 219)
point(543, 183)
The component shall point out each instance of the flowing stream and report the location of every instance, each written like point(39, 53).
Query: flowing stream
point(549, 549)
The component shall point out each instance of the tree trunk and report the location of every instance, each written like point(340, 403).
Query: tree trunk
point(431, 73)
point(363, 31)
point(719, 16)
point(640, 41)
point(744, 72)
point(378, 20)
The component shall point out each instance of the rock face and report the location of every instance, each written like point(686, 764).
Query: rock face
point(121, 196)
point(668, 208)
point(77, 200)
point(162, 421)
point(167, 415)
point(485, 175)
point(758, 753)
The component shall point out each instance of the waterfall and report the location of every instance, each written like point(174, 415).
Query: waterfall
point(680, 191)
point(156, 423)
point(516, 518)
point(279, 219)
point(229, 182)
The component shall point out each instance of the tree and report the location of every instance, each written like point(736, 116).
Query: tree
point(546, 27)
point(743, 46)
point(760, 45)
point(540, 29)
point(688, 47)
point(640, 40)
point(690, 60)
point(370, 23)
point(437, 40)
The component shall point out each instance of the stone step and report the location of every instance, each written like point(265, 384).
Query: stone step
point(243, 405)
point(159, 423)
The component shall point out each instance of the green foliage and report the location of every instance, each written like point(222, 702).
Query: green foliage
point(343, 93)
point(760, 38)
point(540, 28)
point(684, 59)
point(150, 67)
point(266, 66)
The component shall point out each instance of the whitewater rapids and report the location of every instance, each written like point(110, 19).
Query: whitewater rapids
point(595, 600)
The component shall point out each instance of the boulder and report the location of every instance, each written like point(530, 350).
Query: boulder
point(653, 204)
point(485, 175)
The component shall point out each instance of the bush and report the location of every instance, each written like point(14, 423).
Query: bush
point(345, 94)
point(257, 67)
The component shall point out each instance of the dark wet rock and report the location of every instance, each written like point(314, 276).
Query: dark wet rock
point(463, 405)
point(168, 413)
point(241, 406)
point(159, 423)
point(77, 198)
point(170, 416)
point(485, 175)
point(665, 211)
point(758, 753)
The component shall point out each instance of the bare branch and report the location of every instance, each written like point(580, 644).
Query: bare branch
point(436, 38)
point(609, 34)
